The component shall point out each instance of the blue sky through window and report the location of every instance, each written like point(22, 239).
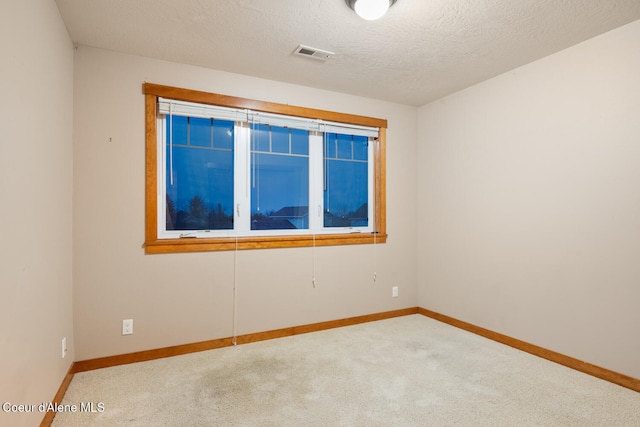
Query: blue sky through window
point(199, 178)
point(346, 191)
point(279, 178)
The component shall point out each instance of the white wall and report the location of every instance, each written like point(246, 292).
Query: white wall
point(530, 202)
point(184, 298)
point(36, 83)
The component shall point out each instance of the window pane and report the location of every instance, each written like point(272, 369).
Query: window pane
point(223, 134)
point(330, 144)
point(360, 147)
point(180, 129)
point(346, 192)
point(279, 191)
point(199, 183)
point(199, 132)
point(280, 140)
point(260, 138)
point(345, 147)
point(299, 141)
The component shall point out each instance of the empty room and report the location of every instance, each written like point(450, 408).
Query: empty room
point(320, 212)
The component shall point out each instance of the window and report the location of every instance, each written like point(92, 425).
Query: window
point(280, 165)
point(198, 183)
point(225, 173)
point(347, 181)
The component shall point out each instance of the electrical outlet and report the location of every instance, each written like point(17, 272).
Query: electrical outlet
point(64, 347)
point(394, 292)
point(127, 327)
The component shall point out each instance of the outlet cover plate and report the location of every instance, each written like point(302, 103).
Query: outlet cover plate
point(127, 327)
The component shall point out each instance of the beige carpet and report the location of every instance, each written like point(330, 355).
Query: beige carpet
point(407, 371)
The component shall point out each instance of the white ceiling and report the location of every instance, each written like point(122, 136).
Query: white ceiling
point(420, 51)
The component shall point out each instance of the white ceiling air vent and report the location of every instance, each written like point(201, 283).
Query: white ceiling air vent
point(312, 52)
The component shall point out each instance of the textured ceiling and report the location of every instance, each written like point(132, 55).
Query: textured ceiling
point(420, 51)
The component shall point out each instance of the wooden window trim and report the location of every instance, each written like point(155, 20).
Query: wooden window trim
point(154, 245)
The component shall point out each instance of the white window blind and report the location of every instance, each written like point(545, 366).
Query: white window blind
point(169, 106)
point(181, 108)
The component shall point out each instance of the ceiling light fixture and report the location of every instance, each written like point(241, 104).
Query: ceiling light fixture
point(370, 9)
